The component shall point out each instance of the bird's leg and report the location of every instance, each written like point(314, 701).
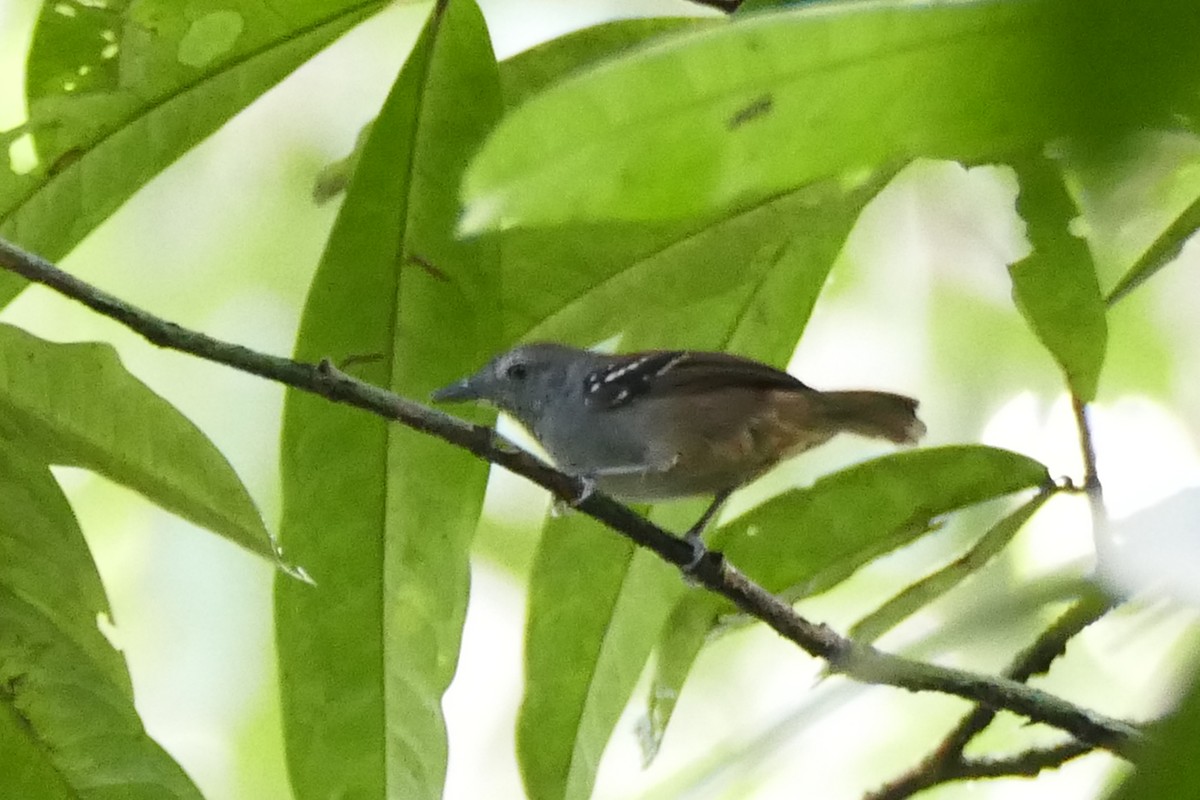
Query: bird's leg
point(694, 533)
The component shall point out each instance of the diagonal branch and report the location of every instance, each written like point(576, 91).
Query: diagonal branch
point(946, 762)
point(861, 662)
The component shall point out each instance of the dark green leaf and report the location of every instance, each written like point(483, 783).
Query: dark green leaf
point(1056, 286)
point(382, 516)
point(158, 78)
point(68, 728)
point(76, 404)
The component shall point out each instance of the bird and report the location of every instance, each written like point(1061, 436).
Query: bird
point(668, 424)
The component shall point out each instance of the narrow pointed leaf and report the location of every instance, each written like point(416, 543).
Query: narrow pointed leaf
point(596, 604)
point(68, 728)
point(76, 404)
point(789, 538)
point(156, 78)
point(382, 517)
point(1162, 252)
point(833, 527)
point(574, 692)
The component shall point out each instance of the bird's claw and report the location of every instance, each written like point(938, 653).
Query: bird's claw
point(562, 507)
point(699, 551)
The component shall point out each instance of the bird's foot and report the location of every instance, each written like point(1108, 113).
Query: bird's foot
point(562, 507)
point(699, 551)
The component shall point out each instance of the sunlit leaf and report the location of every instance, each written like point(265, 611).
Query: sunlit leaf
point(76, 404)
point(782, 542)
point(770, 102)
point(1137, 207)
point(380, 515)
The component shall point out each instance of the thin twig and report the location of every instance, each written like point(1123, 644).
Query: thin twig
point(860, 662)
point(1028, 764)
point(1091, 482)
point(946, 761)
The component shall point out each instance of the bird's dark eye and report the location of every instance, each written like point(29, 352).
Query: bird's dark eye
point(516, 372)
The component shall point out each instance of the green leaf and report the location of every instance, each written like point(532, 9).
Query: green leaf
point(68, 728)
point(1140, 209)
point(773, 101)
point(1161, 252)
point(1056, 286)
point(846, 515)
point(575, 693)
point(925, 591)
point(683, 636)
point(532, 70)
point(611, 279)
point(159, 78)
point(76, 404)
point(596, 604)
point(739, 112)
point(804, 538)
point(45, 561)
point(380, 515)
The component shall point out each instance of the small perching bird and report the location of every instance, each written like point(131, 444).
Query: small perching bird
point(667, 424)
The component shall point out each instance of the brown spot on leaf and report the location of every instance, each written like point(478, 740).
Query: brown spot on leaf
point(429, 268)
point(752, 111)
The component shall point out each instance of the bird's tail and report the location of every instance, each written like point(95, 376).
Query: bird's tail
point(879, 415)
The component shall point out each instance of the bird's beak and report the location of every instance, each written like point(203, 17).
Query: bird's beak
point(457, 392)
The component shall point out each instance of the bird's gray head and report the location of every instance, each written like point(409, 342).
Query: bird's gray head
point(524, 380)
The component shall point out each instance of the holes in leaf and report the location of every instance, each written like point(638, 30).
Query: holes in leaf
point(22, 155)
